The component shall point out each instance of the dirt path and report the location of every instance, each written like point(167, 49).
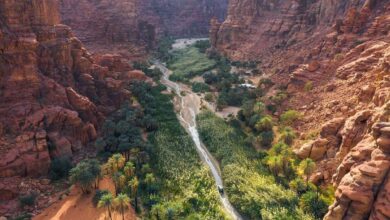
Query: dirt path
point(77, 206)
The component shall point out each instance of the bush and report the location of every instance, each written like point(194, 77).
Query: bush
point(209, 97)
point(264, 124)
point(266, 138)
point(199, 87)
point(22, 216)
point(202, 45)
point(279, 98)
point(28, 200)
point(59, 168)
point(290, 117)
point(311, 202)
point(98, 195)
point(287, 135)
point(308, 86)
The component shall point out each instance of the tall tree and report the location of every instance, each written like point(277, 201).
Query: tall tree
point(122, 201)
point(107, 202)
point(275, 164)
point(119, 181)
point(306, 168)
point(85, 174)
point(116, 162)
point(133, 184)
point(129, 169)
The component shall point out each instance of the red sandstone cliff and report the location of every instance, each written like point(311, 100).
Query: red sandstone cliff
point(53, 95)
point(140, 22)
point(342, 48)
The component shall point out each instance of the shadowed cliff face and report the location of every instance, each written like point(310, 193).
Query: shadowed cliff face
point(139, 21)
point(53, 95)
point(342, 48)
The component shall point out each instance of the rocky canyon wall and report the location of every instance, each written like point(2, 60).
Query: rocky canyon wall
point(53, 95)
point(141, 22)
point(341, 49)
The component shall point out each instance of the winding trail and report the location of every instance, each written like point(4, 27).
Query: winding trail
point(188, 107)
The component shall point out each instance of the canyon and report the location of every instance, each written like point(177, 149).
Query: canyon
point(136, 25)
point(54, 96)
point(342, 48)
point(66, 65)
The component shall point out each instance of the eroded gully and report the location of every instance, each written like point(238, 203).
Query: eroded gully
point(187, 107)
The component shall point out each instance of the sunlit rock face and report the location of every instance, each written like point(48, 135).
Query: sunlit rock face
point(253, 27)
point(139, 21)
point(53, 95)
point(342, 47)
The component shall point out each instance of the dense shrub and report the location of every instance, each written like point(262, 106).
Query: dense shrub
point(28, 199)
point(59, 168)
point(98, 195)
point(312, 202)
point(289, 117)
point(188, 63)
point(202, 45)
point(186, 189)
point(265, 124)
point(198, 87)
point(251, 189)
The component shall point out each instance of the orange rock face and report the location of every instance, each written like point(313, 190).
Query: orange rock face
point(342, 48)
point(53, 96)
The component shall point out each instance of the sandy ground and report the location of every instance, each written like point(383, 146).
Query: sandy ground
point(77, 206)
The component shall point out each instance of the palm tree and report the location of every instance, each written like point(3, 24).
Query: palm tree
point(133, 184)
point(150, 180)
point(306, 167)
point(116, 161)
point(265, 124)
point(122, 200)
point(107, 201)
point(119, 181)
point(288, 135)
point(136, 153)
point(129, 169)
point(275, 164)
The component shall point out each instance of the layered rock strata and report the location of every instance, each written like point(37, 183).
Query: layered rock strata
point(53, 95)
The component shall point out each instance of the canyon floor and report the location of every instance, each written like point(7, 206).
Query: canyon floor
point(79, 206)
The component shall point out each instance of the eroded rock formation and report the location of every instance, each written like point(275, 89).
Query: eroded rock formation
point(53, 95)
point(342, 48)
point(141, 22)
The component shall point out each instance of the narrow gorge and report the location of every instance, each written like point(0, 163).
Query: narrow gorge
point(184, 109)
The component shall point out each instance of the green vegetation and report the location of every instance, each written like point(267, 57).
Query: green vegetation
point(189, 62)
point(107, 201)
point(154, 73)
point(59, 168)
point(163, 175)
point(185, 187)
point(202, 45)
point(308, 86)
point(199, 87)
point(163, 48)
point(250, 189)
point(122, 201)
point(86, 174)
point(28, 200)
point(290, 117)
point(272, 184)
